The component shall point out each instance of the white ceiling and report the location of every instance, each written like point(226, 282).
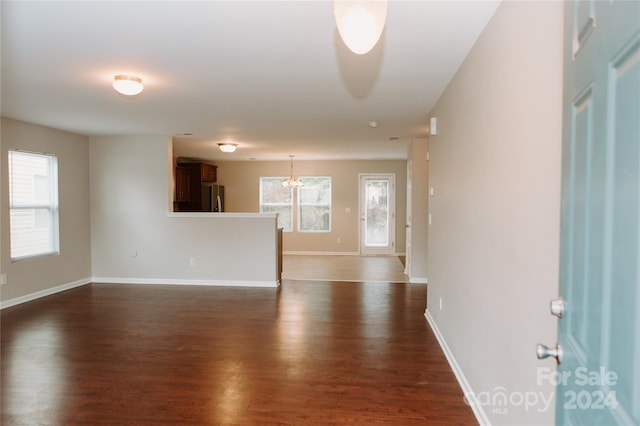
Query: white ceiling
point(272, 76)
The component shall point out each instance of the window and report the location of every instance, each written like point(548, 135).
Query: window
point(314, 204)
point(33, 204)
point(275, 198)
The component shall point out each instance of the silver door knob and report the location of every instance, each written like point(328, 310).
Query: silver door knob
point(543, 352)
point(557, 307)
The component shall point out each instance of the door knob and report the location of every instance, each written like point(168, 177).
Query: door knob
point(557, 307)
point(543, 352)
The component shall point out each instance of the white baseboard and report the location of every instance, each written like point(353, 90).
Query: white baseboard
point(335, 253)
point(418, 280)
point(322, 253)
point(472, 400)
point(163, 281)
point(103, 280)
point(43, 293)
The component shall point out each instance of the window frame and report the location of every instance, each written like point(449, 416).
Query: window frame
point(299, 206)
point(290, 204)
point(51, 206)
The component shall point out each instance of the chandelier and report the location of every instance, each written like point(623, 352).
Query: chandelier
point(293, 181)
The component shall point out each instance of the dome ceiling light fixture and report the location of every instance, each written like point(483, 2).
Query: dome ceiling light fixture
point(228, 147)
point(360, 23)
point(128, 85)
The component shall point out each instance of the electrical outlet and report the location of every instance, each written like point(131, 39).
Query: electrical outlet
point(338, 240)
point(3, 279)
point(192, 261)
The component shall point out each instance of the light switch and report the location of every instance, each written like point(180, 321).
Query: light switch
point(347, 209)
point(432, 191)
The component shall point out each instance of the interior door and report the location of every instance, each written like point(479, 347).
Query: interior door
point(377, 214)
point(599, 333)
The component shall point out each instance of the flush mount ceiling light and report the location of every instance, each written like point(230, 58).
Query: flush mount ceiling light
point(227, 146)
point(128, 85)
point(293, 181)
point(360, 22)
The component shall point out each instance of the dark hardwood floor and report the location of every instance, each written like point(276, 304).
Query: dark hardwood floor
point(306, 353)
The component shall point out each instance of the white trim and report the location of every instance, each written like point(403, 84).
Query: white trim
point(347, 281)
point(322, 253)
point(177, 281)
point(44, 293)
point(225, 215)
point(101, 280)
point(339, 253)
point(418, 280)
point(472, 400)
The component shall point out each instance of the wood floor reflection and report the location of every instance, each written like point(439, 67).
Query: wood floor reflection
point(344, 268)
point(306, 353)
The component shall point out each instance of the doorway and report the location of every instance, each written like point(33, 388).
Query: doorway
point(377, 210)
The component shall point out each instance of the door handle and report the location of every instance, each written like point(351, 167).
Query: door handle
point(543, 352)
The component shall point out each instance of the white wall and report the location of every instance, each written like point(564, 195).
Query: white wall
point(135, 239)
point(417, 154)
point(494, 242)
point(73, 265)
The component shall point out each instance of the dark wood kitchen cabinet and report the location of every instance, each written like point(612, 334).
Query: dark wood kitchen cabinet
point(183, 187)
point(201, 172)
point(208, 172)
point(198, 176)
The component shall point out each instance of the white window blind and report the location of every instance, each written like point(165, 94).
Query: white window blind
point(33, 204)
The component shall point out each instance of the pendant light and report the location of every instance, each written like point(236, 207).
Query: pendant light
point(293, 181)
point(360, 22)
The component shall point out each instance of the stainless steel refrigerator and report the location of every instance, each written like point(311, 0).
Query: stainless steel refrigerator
point(213, 198)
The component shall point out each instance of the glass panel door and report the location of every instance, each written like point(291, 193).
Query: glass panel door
point(377, 214)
